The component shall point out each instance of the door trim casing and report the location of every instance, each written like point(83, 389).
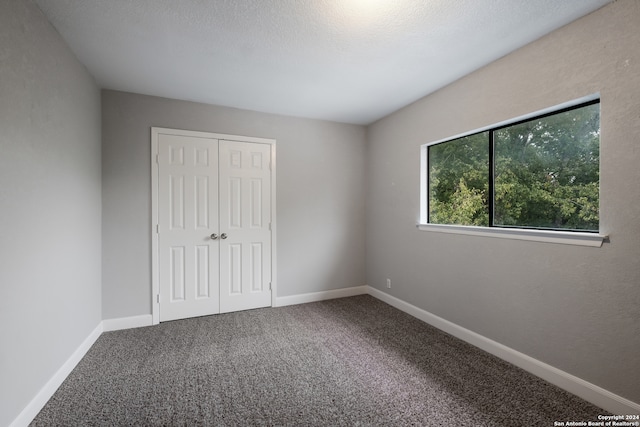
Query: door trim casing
point(155, 267)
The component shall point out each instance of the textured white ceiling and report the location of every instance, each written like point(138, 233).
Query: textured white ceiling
point(351, 61)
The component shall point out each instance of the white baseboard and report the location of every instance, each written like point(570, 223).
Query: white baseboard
point(127, 322)
point(574, 385)
point(587, 391)
point(321, 296)
point(37, 403)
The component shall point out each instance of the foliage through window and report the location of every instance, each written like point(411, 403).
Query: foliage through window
point(540, 173)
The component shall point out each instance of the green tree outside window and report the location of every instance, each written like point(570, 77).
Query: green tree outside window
point(545, 174)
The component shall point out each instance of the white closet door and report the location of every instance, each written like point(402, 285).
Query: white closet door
point(245, 225)
point(188, 256)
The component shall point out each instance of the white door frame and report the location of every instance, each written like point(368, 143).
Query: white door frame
point(155, 268)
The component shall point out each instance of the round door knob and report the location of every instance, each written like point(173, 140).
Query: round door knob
point(223, 236)
point(214, 236)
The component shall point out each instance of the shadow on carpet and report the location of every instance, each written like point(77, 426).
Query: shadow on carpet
point(346, 362)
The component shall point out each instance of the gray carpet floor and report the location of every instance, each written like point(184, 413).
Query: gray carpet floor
point(345, 362)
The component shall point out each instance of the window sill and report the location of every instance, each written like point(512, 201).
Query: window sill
point(560, 237)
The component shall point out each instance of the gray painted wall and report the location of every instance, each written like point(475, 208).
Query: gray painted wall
point(50, 204)
point(575, 308)
point(320, 197)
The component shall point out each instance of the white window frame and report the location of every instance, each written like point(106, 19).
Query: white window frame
point(547, 236)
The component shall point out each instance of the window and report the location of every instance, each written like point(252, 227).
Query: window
point(540, 172)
